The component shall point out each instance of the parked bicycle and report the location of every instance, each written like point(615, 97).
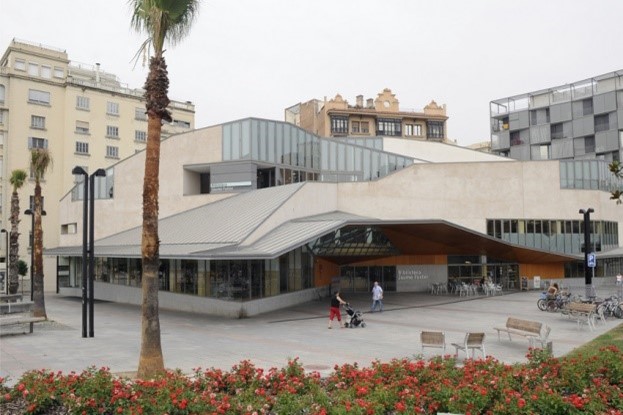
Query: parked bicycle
point(556, 302)
point(610, 307)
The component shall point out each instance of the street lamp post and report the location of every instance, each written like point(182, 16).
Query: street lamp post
point(85, 220)
point(32, 249)
point(98, 173)
point(588, 278)
point(6, 260)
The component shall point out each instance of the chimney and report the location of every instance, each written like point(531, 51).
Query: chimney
point(97, 73)
point(359, 101)
point(369, 103)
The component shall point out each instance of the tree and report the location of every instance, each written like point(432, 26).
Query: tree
point(163, 21)
point(617, 169)
point(40, 161)
point(18, 177)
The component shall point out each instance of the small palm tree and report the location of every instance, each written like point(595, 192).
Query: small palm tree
point(18, 177)
point(163, 21)
point(40, 161)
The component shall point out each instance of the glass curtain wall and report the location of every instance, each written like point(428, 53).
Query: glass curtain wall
point(555, 235)
point(302, 155)
point(236, 280)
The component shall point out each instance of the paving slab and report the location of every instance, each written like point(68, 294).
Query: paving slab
point(269, 340)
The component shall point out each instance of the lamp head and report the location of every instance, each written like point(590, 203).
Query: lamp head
point(3, 231)
point(79, 170)
point(28, 212)
point(100, 173)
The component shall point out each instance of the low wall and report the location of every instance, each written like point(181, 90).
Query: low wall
point(201, 305)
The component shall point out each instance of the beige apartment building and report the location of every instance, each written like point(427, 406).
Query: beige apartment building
point(381, 116)
point(82, 114)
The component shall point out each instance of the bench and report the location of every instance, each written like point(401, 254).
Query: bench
point(435, 339)
point(10, 298)
point(12, 314)
point(532, 330)
point(582, 312)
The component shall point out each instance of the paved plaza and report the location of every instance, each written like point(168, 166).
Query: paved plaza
point(190, 340)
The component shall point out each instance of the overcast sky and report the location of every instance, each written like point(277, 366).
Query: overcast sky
point(256, 57)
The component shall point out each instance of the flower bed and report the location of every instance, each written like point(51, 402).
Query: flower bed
point(543, 385)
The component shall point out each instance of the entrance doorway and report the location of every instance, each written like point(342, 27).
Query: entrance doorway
point(361, 278)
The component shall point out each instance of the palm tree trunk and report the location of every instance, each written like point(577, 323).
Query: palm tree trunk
point(13, 277)
point(151, 361)
point(38, 297)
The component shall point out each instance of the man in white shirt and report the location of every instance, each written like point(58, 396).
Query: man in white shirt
point(377, 297)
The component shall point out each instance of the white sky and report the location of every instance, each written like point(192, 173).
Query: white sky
point(256, 57)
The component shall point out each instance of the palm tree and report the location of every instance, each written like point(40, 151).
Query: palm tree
point(170, 21)
point(40, 160)
point(18, 177)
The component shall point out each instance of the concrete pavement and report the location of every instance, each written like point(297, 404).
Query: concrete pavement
point(269, 340)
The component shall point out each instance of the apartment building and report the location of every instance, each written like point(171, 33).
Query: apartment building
point(381, 116)
point(580, 120)
point(82, 114)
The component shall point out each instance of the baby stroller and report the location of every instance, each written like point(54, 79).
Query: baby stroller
point(354, 319)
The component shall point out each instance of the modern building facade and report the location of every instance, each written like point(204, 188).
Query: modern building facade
point(268, 215)
point(83, 115)
point(581, 120)
point(381, 116)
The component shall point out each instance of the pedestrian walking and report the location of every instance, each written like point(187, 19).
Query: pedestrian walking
point(377, 297)
point(334, 311)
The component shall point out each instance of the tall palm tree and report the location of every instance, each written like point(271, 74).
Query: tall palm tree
point(18, 177)
point(163, 21)
point(40, 161)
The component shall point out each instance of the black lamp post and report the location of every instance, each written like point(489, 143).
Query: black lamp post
point(85, 220)
point(98, 173)
point(32, 249)
point(588, 278)
point(6, 260)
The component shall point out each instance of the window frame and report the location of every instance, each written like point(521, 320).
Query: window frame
point(112, 131)
point(82, 147)
point(37, 125)
point(35, 97)
point(112, 108)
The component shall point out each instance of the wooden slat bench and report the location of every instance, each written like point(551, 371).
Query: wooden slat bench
point(582, 312)
point(12, 314)
point(532, 330)
point(435, 339)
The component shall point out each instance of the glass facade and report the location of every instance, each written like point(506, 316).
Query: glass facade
point(235, 280)
point(588, 174)
point(555, 235)
point(288, 146)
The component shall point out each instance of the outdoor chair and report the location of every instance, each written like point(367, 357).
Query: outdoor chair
point(472, 342)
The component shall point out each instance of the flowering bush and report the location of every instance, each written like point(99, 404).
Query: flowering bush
point(543, 385)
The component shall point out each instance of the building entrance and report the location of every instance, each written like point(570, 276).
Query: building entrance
point(361, 278)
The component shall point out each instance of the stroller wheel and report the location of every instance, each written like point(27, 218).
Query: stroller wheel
point(346, 325)
point(363, 324)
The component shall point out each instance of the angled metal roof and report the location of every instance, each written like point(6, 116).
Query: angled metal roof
point(218, 231)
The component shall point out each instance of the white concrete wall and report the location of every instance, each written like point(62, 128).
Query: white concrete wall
point(437, 152)
point(469, 193)
point(201, 305)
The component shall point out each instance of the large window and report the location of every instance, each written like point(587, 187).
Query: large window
point(37, 122)
point(82, 103)
point(112, 131)
point(140, 136)
point(140, 114)
point(112, 108)
point(112, 152)
point(389, 127)
point(602, 122)
point(82, 148)
point(413, 130)
point(2, 92)
point(35, 142)
point(82, 127)
point(339, 125)
point(435, 129)
point(38, 97)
